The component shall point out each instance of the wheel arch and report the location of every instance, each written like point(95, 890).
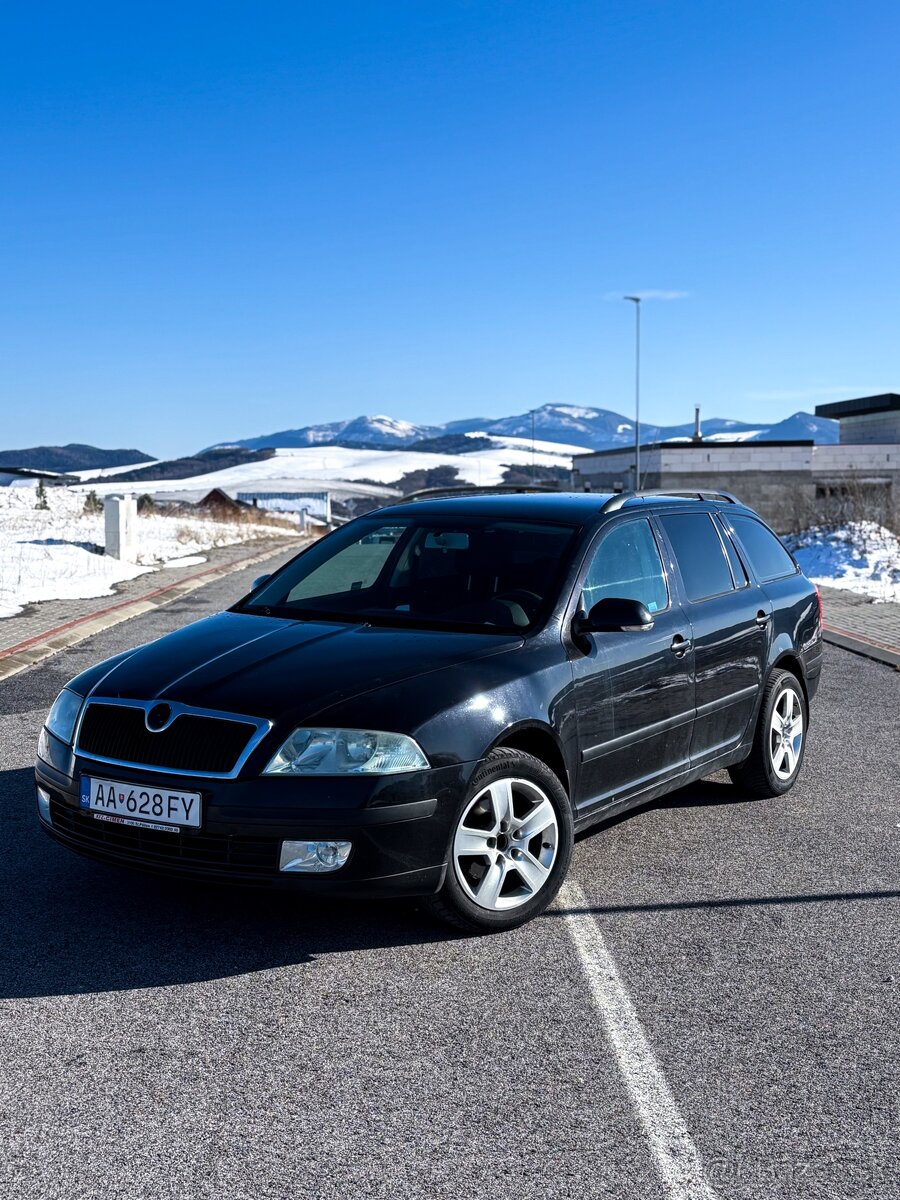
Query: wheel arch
point(789, 661)
point(540, 742)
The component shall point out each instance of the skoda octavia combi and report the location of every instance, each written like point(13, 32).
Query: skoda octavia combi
point(433, 699)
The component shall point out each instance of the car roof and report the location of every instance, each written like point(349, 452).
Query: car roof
point(580, 507)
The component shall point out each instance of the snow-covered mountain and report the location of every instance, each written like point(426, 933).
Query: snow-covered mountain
point(593, 427)
point(385, 431)
point(382, 433)
point(573, 425)
point(799, 427)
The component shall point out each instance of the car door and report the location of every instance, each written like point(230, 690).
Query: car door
point(729, 616)
point(634, 691)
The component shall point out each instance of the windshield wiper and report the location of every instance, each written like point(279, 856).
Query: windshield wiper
point(407, 620)
point(383, 618)
point(286, 612)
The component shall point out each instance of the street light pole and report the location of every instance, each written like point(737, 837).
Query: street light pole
point(636, 301)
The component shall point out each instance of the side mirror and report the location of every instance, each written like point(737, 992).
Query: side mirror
point(259, 581)
point(615, 615)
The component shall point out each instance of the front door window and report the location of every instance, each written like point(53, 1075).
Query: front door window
point(627, 566)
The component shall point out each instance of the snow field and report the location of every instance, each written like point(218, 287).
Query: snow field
point(58, 553)
point(334, 463)
point(860, 556)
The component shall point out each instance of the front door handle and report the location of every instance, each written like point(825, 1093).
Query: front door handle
point(762, 618)
point(680, 645)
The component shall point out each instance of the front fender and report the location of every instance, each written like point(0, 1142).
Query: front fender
point(459, 713)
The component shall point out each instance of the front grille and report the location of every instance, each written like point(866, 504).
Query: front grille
point(211, 745)
point(186, 852)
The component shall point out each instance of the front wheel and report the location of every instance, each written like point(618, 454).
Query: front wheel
point(780, 740)
point(510, 846)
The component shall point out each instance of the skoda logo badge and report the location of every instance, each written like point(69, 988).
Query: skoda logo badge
point(158, 717)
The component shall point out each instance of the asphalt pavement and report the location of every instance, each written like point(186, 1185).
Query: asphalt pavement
point(717, 990)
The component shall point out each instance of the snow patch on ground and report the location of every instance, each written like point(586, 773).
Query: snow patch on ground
point(108, 472)
point(57, 553)
point(860, 556)
point(556, 449)
point(191, 560)
point(741, 435)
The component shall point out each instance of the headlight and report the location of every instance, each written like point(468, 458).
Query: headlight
point(63, 715)
point(346, 752)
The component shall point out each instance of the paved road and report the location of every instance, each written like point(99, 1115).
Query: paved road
point(857, 616)
point(164, 1040)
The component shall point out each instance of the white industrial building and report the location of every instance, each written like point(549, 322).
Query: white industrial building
point(789, 483)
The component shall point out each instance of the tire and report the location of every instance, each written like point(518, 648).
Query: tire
point(510, 846)
point(777, 755)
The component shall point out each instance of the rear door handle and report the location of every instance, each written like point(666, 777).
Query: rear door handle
point(680, 645)
point(763, 618)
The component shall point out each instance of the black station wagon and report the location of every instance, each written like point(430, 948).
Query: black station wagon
point(435, 697)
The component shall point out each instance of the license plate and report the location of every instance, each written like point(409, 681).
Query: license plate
point(133, 804)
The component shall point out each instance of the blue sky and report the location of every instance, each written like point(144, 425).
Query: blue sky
point(218, 220)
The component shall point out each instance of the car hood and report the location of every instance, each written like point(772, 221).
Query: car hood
point(275, 668)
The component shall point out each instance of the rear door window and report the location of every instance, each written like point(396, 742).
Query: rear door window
point(766, 555)
point(699, 553)
point(627, 565)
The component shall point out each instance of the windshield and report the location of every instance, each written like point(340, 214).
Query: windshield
point(492, 576)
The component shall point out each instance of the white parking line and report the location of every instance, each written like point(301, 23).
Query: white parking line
point(677, 1159)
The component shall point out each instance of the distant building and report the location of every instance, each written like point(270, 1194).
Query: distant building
point(290, 500)
point(868, 420)
point(791, 484)
point(285, 495)
point(219, 502)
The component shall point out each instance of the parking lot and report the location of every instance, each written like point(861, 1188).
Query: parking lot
point(710, 1009)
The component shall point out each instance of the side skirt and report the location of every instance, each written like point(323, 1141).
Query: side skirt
point(603, 808)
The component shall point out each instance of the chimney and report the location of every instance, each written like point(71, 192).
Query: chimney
point(698, 434)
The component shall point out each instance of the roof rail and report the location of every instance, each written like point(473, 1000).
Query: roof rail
point(614, 503)
point(503, 489)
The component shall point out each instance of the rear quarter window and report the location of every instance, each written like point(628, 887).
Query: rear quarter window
point(737, 567)
point(765, 553)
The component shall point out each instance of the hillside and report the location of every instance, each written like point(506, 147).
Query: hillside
point(186, 468)
point(74, 457)
point(273, 470)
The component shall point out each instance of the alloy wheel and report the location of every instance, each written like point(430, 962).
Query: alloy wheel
point(786, 733)
point(505, 844)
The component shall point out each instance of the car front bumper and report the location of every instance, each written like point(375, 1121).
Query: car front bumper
point(399, 826)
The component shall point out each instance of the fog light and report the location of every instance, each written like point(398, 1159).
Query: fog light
point(313, 858)
point(43, 799)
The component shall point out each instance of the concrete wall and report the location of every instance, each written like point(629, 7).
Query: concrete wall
point(730, 459)
point(687, 458)
point(777, 481)
point(790, 486)
point(856, 457)
point(780, 498)
point(871, 427)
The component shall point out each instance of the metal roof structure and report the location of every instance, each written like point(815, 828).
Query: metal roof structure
point(863, 406)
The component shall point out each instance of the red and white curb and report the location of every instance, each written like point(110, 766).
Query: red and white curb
point(858, 643)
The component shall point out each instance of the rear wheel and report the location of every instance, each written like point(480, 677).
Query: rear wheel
point(780, 740)
point(510, 846)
